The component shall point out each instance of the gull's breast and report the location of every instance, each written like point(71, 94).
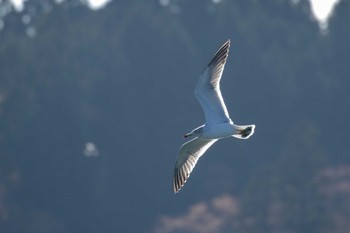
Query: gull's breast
point(217, 131)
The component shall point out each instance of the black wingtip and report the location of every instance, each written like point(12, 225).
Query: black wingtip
point(225, 45)
point(179, 179)
point(221, 54)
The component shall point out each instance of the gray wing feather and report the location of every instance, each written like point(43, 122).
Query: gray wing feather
point(207, 90)
point(189, 154)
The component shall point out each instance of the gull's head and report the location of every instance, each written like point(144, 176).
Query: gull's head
point(244, 132)
point(196, 132)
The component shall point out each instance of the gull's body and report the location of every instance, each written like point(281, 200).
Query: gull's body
point(218, 123)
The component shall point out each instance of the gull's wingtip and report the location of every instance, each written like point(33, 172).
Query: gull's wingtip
point(179, 179)
point(227, 43)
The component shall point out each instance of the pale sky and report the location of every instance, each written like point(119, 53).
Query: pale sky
point(322, 9)
point(94, 4)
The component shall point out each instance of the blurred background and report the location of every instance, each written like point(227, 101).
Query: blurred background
point(95, 99)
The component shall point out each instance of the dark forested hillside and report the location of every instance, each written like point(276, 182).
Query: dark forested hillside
point(93, 106)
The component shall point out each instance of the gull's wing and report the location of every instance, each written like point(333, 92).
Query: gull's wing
point(207, 90)
point(190, 152)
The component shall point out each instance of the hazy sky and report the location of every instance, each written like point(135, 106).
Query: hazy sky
point(94, 4)
point(321, 8)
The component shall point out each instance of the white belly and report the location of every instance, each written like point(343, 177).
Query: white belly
point(217, 131)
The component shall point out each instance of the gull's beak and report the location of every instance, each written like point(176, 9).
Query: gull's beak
point(188, 135)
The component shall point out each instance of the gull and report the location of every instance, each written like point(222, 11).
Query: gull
point(218, 124)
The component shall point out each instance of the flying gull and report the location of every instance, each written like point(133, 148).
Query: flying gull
point(218, 124)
